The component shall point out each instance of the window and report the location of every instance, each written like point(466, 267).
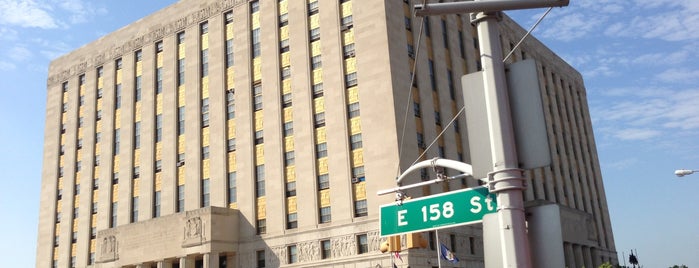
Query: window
point(158, 127)
point(293, 254)
point(420, 140)
point(159, 80)
point(81, 100)
point(286, 72)
point(353, 110)
point(452, 241)
point(408, 24)
point(326, 249)
point(134, 209)
point(204, 27)
point(325, 216)
point(98, 137)
point(472, 245)
point(117, 100)
point(113, 213)
point(291, 221)
point(136, 172)
point(290, 189)
point(356, 141)
point(115, 178)
point(118, 63)
point(319, 119)
point(314, 34)
point(156, 204)
point(362, 244)
point(321, 150)
point(445, 38)
point(158, 165)
point(351, 79)
point(231, 144)
point(180, 71)
point(427, 27)
point(260, 255)
point(205, 112)
point(205, 193)
point(139, 55)
point(116, 141)
point(360, 208)
point(137, 135)
point(256, 49)
point(229, 53)
point(259, 137)
point(257, 96)
point(284, 46)
point(416, 109)
point(348, 50)
point(358, 174)
point(159, 46)
point(411, 51)
point(323, 182)
point(346, 22)
point(56, 240)
point(288, 129)
point(283, 19)
point(437, 118)
point(180, 198)
point(232, 194)
point(230, 104)
point(205, 152)
point(440, 151)
point(260, 180)
point(93, 232)
point(289, 158)
point(204, 63)
point(316, 62)
point(433, 80)
point(254, 6)
point(286, 100)
point(261, 226)
point(92, 258)
point(317, 90)
point(450, 82)
point(312, 8)
point(99, 115)
point(180, 120)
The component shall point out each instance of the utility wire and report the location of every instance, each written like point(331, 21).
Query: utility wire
point(527, 34)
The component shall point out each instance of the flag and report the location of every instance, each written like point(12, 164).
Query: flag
point(397, 255)
point(446, 254)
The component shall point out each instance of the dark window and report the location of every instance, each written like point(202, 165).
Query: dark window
point(231, 144)
point(260, 181)
point(351, 79)
point(257, 96)
point(319, 119)
point(284, 46)
point(353, 110)
point(323, 182)
point(205, 193)
point(317, 90)
point(321, 150)
point(261, 226)
point(362, 244)
point(256, 49)
point(312, 8)
point(205, 112)
point(326, 249)
point(289, 158)
point(259, 137)
point(348, 50)
point(360, 208)
point(260, 259)
point(291, 221)
point(290, 189)
point(293, 254)
point(232, 194)
point(288, 129)
point(316, 62)
point(356, 141)
point(314, 34)
point(325, 215)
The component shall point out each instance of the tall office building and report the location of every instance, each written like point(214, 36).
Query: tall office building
point(235, 133)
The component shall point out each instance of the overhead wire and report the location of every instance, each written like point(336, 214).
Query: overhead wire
point(527, 34)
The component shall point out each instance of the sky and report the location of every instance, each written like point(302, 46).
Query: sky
point(639, 59)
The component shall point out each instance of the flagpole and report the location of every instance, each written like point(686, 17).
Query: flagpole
point(438, 247)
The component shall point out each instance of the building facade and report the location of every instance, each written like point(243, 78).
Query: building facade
point(235, 133)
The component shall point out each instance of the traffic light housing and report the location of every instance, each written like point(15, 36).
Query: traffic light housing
point(391, 244)
point(415, 240)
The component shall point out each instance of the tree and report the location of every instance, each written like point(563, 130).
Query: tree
point(606, 265)
point(679, 266)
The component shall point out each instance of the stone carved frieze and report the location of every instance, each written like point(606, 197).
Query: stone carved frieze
point(193, 232)
point(108, 249)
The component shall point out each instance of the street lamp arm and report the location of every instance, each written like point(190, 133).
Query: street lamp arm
point(683, 172)
point(484, 6)
point(441, 162)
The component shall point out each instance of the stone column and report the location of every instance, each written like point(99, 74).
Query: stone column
point(165, 264)
point(587, 256)
point(186, 262)
point(231, 261)
point(570, 256)
point(211, 260)
point(578, 255)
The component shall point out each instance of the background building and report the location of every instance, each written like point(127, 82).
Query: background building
point(256, 133)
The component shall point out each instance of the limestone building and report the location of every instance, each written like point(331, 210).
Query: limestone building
point(236, 133)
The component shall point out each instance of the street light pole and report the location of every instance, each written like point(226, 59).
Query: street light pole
point(683, 172)
point(507, 180)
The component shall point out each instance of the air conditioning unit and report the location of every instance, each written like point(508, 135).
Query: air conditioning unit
point(180, 163)
point(355, 180)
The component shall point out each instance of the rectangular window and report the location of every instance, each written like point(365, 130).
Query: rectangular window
point(257, 96)
point(286, 100)
point(433, 80)
point(291, 221)
point(286, 73)
point(134, 209)
point(313, 8)
point(321, 150)
point(159, 80)
point(421, 140)
point(325, 216)
point(180, 120)
point(260, 181)
point(416, 109)
point(472, 245)
point(450, 83)
point(283, 19)
point(205, 193)
point(288, 129)
point(348, 50)
point(204, 27)
point(293, 254)
point(259, 137)
point(360, 208)
point(319, 119)
point(289, 158)
point(117, 96)
point(317, 90)
point(358, 173)
point(316, 62)
point(229, 53)
point(445, 38)
point(158, 166)
point(205, 152)
point(116, 141)
point(452, 241)
point(353, 110)
point(437, 118)
point(205, 112)
point(180, 198)
point(314, 34)
point(346, 22)
point(290, 189)
point(256, 48)
point(323, 182)
point(362, 244)
point(408, 24)
point(284, 46)
point(356, 141)
point(231, 145)
point(180, 71)
point(158, 128)
point(260, 255)
point(254, 6)
point(232, 187)
point(230, 104)
point(137, 135)
point(326, 249)
point(261, 226)
point(113, 213)
point(351, 79)
point(136, 172)
point(204, 63)
point(156, 204)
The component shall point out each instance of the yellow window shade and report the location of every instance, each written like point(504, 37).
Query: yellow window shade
point(136, 157)
point(97, 169)
point(205, 136)
point(351, 65)
point(255, 20)
point(159, 60)
point(100, 82)
point(229, 31)
point(231, 128)
point(323, 166)
point(93, 220)
point(259, 154)
point(257, 69)
point(77, 177)
point(159, 151)
point(62, 160)
point(115, 192)
point(116, 163)
point(355, 127)
point(205, 41)
point(180, 144)
point(317, 76)
point(233, 205)
point(348, 37)
point(75, 224)
point(324, 196)
point(181, 96)
point(284, 33)
point(288, 114)
point(289, 143)
point(136, 187)
point(139, 68)
point(95, 194)
point(158, 181)
point(231, 161)
point(92, 245)
point(59, 205)
point(259, 120)
point(159, 104)
point(117, 118)
point(290, 173)
point(321, 135)
point(139, 112)
point(314, 21)
point(286, 86)
point(118, 76)
point(64, 118)
point(359, 191)
point(205, 169)
point(315, 48)
point(283, 7)
point(358, 157)
point(58, 228)
point(73, 246)
point(319, 105)
point(291, 204)
point(230, 74)
point(76, 201)
point(81, 111)
point(205, 87)
point(353, 95)
point(180, 176)
point(261, 208)
point(346, 9)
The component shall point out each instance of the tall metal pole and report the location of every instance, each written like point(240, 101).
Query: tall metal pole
point(507, 179)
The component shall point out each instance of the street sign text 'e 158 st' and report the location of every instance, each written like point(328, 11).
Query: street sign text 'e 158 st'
point(437, 211)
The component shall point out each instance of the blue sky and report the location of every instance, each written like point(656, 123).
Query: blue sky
point(639, 59)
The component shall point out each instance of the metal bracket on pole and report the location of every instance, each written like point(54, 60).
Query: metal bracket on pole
point(434, 163)
point(492, 181)
point(478, 17)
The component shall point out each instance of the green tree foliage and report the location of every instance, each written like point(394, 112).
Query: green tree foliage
point(606, 265)
point(679, 266)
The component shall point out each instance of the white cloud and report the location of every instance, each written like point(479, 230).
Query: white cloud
point(6, 66)
point(26, 13)
point(636, 134)
point(682, 76)
point(19, 53)
point(572, 26)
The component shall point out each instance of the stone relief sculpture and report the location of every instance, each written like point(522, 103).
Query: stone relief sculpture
point(108, 248)
point(374, 240)
point(193, 232)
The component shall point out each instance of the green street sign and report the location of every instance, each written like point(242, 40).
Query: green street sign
point(439, 211)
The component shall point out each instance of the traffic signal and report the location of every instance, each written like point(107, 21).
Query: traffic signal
point(391, 244)
point(415, 240)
